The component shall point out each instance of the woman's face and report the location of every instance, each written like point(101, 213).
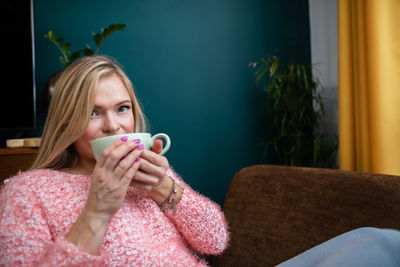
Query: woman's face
point(112, 114)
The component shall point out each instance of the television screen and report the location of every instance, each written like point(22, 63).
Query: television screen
point(17, 98)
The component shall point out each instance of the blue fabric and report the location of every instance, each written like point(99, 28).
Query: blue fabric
point(366, 247)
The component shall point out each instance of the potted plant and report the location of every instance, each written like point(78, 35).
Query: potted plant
point(297, 110)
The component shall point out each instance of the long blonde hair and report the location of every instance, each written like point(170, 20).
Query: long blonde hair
point(70, 109)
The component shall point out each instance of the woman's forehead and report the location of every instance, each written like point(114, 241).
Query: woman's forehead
point(111, 89)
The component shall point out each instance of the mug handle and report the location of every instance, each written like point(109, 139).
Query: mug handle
point(167, 141)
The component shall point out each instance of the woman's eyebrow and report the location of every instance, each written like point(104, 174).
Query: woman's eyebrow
point(128, 101)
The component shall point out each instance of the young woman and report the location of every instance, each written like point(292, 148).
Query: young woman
point(71, 210)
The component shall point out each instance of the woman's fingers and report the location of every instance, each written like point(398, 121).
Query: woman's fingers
point(152, 170)
point(149, 168)
point(155, 159)
point(104, 155)
point(146, 178)
point(119, 153)
point(157, 146)
point(129, 174)
point(127, 162)
point(141, 185)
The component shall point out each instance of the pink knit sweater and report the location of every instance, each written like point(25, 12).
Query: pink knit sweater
point(37, 209)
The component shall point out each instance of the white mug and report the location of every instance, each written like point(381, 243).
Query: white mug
point(98, 145)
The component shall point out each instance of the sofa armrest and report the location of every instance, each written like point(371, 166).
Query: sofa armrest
point(277, 212)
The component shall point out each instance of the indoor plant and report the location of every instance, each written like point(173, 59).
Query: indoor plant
point(68, 57)
point(297, 110)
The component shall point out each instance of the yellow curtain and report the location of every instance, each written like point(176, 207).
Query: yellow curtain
point(369, 85)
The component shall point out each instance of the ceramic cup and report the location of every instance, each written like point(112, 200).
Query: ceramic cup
point(146, 139)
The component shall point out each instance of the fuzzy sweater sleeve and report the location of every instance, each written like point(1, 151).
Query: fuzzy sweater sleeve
point(200, 220)
point(25, 238)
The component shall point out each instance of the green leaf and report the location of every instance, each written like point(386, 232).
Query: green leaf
point(53, 37)
point(106, 32)
point(98, 39)
point(88, 51)
point(65, 47)
point(112, 28)
point(117, 27)
point(261, 74)
point(75, 55)
point(59, 40)
point(64, 62)
point(48, 35)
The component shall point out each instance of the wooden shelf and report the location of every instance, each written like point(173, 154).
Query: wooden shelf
point(18, 151)
point(13, 160)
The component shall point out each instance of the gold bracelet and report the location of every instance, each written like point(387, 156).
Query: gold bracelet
point(170, 202)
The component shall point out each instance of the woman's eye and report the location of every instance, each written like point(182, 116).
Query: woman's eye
point(94, 113)
point(124, 108)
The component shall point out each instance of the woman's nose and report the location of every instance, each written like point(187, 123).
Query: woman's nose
point(111, 124)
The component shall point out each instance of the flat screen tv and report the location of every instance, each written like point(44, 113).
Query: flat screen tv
point(17, 97)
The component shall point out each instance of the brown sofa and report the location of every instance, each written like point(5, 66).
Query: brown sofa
point(277, 212)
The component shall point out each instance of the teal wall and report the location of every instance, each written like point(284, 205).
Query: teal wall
point(189, 62)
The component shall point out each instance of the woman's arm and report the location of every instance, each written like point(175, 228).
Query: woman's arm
point(25, 238)
point(200, 220)
point(111, 178)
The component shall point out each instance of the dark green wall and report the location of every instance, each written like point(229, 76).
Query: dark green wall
point(189, 62)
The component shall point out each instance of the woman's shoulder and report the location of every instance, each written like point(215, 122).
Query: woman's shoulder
point(45, 184)
point(39, 179)
point(30, 176)
point(21, 186)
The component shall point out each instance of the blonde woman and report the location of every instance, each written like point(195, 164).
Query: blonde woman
point(71, 210)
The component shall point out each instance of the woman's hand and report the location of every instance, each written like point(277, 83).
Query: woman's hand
point(151, 176)
point(152, 169)
point(112, 175)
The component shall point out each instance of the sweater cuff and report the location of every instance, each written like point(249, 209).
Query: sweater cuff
point(65, 252)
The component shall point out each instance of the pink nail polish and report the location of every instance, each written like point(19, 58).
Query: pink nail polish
point(140, 147)
point(124, 138)
point(137, 160)
point(136, 141)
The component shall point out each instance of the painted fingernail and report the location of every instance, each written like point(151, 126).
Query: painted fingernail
point(124, 138)
point(136, 141)
point(140, 147)
point(137, 160)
